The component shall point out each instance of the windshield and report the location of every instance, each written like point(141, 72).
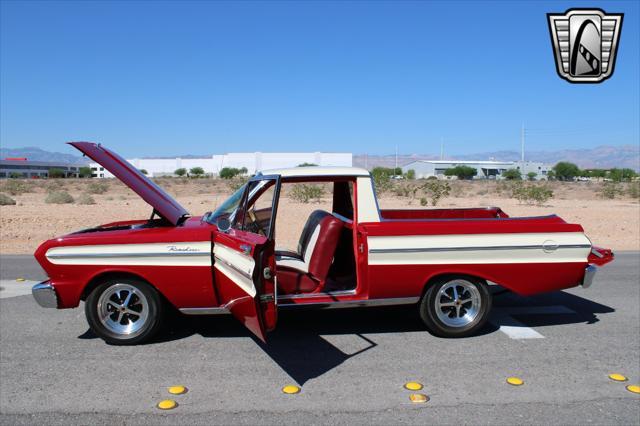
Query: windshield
point(228, 207)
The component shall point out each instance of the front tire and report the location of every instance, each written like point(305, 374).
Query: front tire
point(124, 311)
point(455, 306)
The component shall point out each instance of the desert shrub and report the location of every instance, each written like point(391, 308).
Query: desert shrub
point(5, 200)
point(180, 172)
point(620, 175)
point(59, 197)
point(235, 183)
point(531, 193)
point(85, 199)
point(634, 190)
point(532, 176)
point(411, 174)
point(53, 185)
point(434, 190)
point(97, 187)
point(408, 190)
point(611, 190)
point(16, 187)
point(305, 193)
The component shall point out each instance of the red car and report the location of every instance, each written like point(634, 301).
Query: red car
point(226, 261)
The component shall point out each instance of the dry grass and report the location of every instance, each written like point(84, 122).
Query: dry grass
point(611, 223)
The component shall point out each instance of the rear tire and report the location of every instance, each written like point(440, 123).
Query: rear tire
point(455, 306)
point(124, 311)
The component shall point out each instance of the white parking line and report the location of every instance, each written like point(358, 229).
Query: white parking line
point(513, 328)
point(13, 288)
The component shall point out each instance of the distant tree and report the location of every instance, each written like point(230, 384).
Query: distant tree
point(307, 165)
point(85, 172)
point(144, 171)
point(243, 171)
point(512, 174)
point(196, 171)
point(462, 172)
point(229, 172)
point(411, 174)
point(551, 175)
point(397, 171)
point(56, 173)
point(532, 175)
point(566, 171)
point(598, 173)
point(180, 172)
point(382, 178)
point(619, 175)
point(15, 175)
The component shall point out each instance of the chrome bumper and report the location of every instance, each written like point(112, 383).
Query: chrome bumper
point(589, 275)
point(45, 295)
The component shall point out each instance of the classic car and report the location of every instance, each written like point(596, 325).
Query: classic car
point(351, 254)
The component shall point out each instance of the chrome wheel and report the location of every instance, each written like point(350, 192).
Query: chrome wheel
point(457, 303)
point(123, 309)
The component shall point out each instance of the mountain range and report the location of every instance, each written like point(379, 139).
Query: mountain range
point(605, 156)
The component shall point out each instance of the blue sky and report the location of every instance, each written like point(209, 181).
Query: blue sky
point(167, 78)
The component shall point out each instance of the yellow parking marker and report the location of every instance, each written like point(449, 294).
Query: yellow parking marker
point(417, 398)
point(618, 377)
point(633, 388)
point(167, 404)
point(291, 389)
point(414, 386)
point(20, 279)
point(177, 390)
point(515, 381)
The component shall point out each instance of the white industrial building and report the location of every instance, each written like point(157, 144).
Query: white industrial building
point(485, 169)
point(253, 161)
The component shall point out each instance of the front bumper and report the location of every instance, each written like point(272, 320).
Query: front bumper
point(589, 275)
point(45, 295)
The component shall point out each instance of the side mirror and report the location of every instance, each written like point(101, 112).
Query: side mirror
point(223, 224)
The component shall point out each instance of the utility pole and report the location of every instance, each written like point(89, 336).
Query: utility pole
point(441, 148)
point(522, 143)
point(394, 170)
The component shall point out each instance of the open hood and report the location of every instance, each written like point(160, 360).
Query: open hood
point(163, 203)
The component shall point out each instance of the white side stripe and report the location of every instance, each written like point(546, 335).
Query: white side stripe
point(197, 253)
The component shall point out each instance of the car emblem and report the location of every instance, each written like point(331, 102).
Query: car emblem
point(585, 42)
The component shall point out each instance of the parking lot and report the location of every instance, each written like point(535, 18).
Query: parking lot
point(350, 364)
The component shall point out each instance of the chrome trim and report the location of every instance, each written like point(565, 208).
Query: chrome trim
point(205, 311)
point(112, 255)
point(354, 303)
point(45, 295)
point(232, 266)
point(223, 310)
point(316, 295)
point(589, 275)
point(596, 253)
point(467, 248)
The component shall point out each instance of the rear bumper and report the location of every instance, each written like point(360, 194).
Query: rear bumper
point(589, 276)
point(45, 295)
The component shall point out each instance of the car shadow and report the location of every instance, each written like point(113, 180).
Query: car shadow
point(301, 344)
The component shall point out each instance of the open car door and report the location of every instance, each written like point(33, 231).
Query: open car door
point(244, 257)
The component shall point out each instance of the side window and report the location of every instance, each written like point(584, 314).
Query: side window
point(256, 212)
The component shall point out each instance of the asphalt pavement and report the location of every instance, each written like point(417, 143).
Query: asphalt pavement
point(350, 364)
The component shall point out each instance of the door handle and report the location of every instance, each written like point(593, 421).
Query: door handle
point(246, 248)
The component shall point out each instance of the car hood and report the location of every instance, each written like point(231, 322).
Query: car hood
point(156, 197)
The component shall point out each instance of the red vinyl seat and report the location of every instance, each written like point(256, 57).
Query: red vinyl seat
point(306, 270)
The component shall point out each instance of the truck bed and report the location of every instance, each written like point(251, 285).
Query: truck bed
point(417, 214)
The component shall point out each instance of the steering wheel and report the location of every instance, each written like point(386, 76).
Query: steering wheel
point(254, 226)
